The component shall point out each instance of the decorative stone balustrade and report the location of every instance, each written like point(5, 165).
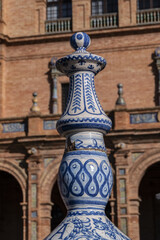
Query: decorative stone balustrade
point(59, 25)
point(148, 16)
point(104, 21)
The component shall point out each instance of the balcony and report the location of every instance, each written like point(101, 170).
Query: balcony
point(137, 119)
point(109, 20)
point(58, 25)
point(149, 16)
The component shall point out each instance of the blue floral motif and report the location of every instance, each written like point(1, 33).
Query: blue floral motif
point(77, 57)
point(90, 67)
point(83, 229)
point(85, 57)
point(82, 62)
point(109, 229)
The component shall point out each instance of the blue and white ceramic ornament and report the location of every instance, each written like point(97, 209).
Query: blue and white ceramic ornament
point(85, 175)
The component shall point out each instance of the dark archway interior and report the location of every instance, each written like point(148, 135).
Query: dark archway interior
point(11, 225)
point(149, 193)
point(59, 210)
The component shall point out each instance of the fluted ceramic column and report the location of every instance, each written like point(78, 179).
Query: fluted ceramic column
point(85, 176)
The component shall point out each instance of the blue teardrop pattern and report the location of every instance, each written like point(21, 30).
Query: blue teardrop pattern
point(63, 183)
point(105, 188)
point(75, 168)
point(91, 168)
point(89, 178)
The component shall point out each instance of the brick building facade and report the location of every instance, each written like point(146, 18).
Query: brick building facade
point(35, 32)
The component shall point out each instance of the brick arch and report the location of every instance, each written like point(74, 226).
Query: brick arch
point(17, 173)
point(47, 181)
point(138, 170)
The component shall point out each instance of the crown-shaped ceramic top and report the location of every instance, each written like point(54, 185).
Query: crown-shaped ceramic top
point(80, 60)
point(83, 110)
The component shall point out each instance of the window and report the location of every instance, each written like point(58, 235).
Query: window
point(104, 6)
point(146, 4)
point(65, 90)
point(58, 9)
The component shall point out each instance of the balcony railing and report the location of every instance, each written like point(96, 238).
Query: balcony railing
point(59, 25)
point(109, 20)
point(148, 16)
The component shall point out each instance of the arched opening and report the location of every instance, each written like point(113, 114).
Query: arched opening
point(11, 224)
point(108, 210)
point(59, 210)
point(149, 192)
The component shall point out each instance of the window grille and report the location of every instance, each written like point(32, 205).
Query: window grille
point(58, 9)
point(100, 7)
point(148, 4)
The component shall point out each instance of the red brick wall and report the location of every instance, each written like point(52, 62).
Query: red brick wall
point(129, 60)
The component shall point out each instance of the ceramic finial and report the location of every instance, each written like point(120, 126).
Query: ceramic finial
point(80, 40)
point(85, 176)
point(35, 107)
point(157, 52)
point(120, 100)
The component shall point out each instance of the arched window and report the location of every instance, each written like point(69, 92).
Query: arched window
point(104, 6)
point(58, 9)
point(147, 4)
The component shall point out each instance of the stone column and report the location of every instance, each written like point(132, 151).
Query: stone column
point(134, 218)
point(121, 162)
point(45, 212)
point(54, 75)
point(157, 58)
point(24, 217)
point(112, 201)
point(33, 193)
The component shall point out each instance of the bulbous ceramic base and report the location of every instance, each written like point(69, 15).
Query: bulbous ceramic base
point(86, 224)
